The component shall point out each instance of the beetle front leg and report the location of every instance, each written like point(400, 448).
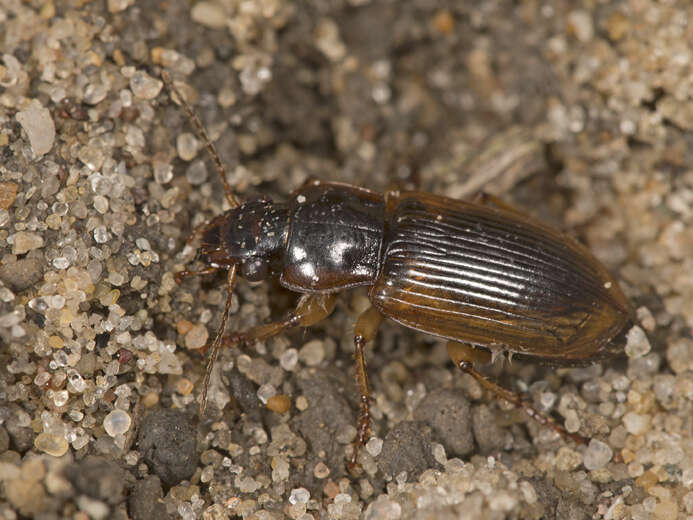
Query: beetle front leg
point(464, 356)
point(179, 276)
point(311, 309)
point(364, 331)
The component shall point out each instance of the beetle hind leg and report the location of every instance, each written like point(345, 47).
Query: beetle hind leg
point(464, 356)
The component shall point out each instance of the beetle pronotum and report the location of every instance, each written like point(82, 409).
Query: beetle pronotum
point(481, 275)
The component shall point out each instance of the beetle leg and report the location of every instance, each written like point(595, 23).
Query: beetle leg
point(182, 275)
point(364, 331)
point(311, 309)
point(460, 355)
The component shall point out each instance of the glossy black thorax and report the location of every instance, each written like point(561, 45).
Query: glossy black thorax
point(334, 240)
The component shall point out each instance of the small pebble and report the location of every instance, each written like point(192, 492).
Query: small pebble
point(444, 22)
point(321, 470)
point(38, 124)
point(637, 343)
point(330, 489)
point(265, 392)
point(312, 353)
point(187, 146)
point(280, 469)
point(183, 326)
point(184, 386)
point(374, 446)
point(150, 399)
point(617, 25)
point(117, 6)
point(95, 93)
point(289, 359)
point(581, 24)
point(647, 480)
point(383, 509)
point(598, 454)
point(299, 496)
point(60, 398)
point(117, 422)
point(572, 421)
point(24, 241)
point(22, 274)
point(27, 496)
point(567, 459)
point(209, 14)
point(279, 403)
point(636, 423)
point(92, 157)
point(96, 509)
point(8, 192)
point(101, 204)
point(302, 403)
point(449, 414)
point(439, 453)
point(101, 234)
point(196, 173)
point(54, 445)
point(646, 319)
point(167, 440)
point(144, 86)
point(163, 172)
point(196, 337)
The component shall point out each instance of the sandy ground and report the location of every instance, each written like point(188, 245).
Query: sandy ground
point(578, 113)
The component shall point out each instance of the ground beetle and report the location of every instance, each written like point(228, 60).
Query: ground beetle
point(482, 275)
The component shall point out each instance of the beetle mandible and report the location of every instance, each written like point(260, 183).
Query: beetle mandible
point(481, 274)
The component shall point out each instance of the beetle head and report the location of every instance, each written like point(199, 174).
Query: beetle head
point(251, 235)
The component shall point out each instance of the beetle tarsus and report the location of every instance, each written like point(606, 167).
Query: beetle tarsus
point(363, 427)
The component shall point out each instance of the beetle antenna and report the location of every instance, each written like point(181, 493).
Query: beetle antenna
point(216, 346)
point(202, 134)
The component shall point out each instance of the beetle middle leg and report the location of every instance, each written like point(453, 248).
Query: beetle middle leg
point(464, 356)
point(364, 331)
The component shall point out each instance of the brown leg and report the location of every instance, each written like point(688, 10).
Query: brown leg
point(364, 331)
point(310, 309)
point(460, 355)
point(182, 275)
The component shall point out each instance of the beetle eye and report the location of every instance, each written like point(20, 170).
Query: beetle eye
point(254, 269)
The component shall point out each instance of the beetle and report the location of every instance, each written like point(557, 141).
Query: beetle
point(478, 274)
